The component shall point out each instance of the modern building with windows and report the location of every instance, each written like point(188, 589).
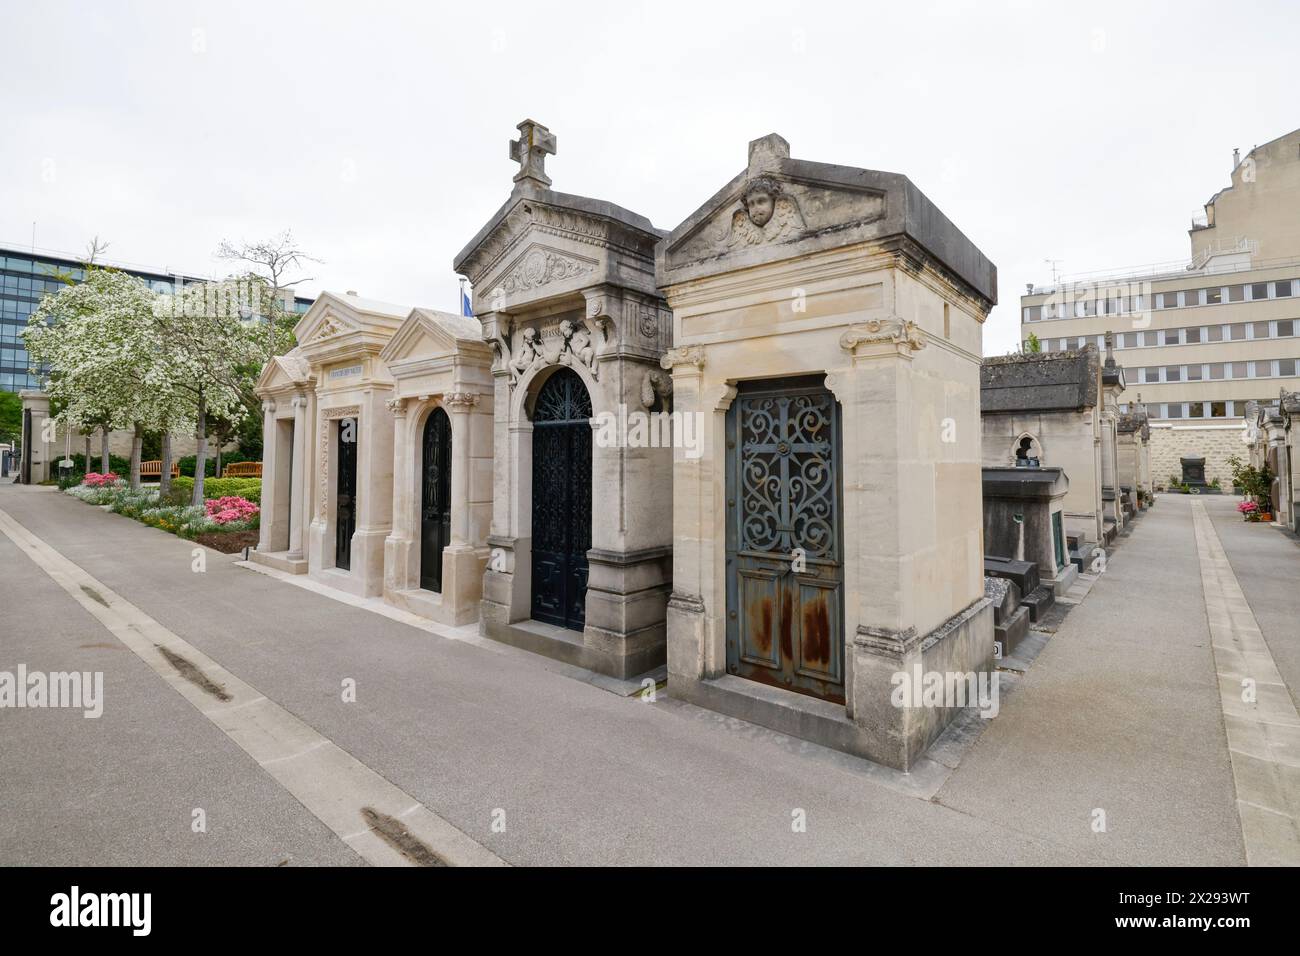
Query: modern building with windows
point(1200, 340)
point(26, 277)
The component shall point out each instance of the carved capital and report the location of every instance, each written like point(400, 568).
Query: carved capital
point(692, 356)
point(268, 406)
point(901, 335)
point(397, 406)
point(462, 401)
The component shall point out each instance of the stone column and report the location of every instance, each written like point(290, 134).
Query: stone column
point(272, 507)
point(301, 483)
point(461, 405)
point(398, 546)
point(689, 651)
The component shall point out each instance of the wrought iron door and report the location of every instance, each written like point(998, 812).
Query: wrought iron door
point(435, 499)
point(345, 508)
point(785, 566)
point(561, 500)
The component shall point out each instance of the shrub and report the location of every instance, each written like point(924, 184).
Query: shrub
point(227, 458)
point(250, 488)
point(95, 480)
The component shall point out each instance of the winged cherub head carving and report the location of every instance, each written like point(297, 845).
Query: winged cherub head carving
point(759, 199)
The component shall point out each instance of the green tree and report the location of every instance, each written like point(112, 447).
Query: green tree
point(1033, 344)
point(11, 418)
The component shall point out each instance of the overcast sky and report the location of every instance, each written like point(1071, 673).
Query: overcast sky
point(378, 131)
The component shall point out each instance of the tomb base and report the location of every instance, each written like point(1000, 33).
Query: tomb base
point(895, 736)
point(640, 654)
point(280, 560)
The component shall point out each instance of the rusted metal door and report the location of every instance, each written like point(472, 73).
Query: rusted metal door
point(785, 566)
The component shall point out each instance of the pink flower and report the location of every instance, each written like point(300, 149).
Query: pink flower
point(94, 479)
point(230, 508)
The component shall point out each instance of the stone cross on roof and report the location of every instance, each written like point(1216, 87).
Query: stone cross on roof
point(530, 150)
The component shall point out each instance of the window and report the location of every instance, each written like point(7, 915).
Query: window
point(1192, 336)
point(1282, 289)
point(1236, 293)
point(1062, 345)
point(1213, 296)
point(1286, 367)
point(1192, 297)
point(1195, 409)
point(1236, 331)
point(1175, 410)
point(1259, 330)
point(1168, 300)
point(1215, 333)
point(1033, 313)
point(1173, 373)
point(1121, 340)
point(1193, 373)
point(1285, 327)
point(1218, 409)
point(1089, 307)
point(1238, 369)
point(1169, 337)
point(1259, 290)
point(1216, 370)
point(1150, 375)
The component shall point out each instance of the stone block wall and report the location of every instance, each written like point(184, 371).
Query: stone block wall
point(1215, 443)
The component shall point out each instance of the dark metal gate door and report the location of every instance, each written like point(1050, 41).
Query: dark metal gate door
point(345, 514)
point(561, 500)
point(25, 463)
point(785, 566)
point(435, 499)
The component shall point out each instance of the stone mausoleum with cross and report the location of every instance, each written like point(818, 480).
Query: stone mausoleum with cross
point(581, 536)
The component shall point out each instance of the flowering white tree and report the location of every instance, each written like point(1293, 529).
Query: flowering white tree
point(205, 354)
point(104, 370)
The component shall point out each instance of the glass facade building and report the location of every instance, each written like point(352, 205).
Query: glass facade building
point(25, 278)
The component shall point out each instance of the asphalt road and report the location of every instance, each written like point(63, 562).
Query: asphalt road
point(1120, 712)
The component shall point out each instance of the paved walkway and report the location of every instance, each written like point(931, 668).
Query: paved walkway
point(1120, 713)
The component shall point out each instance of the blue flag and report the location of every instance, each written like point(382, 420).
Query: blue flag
point(464, 305)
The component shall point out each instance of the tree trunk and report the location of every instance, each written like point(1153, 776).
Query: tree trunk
point(103, 451)
point(200, 451)
point(137, 447)
point(85, 459)
point(165, 474)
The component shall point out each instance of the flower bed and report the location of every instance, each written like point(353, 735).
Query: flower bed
point(228, 516)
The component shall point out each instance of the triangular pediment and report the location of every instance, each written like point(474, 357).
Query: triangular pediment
point(537, 265)
point(429, 334)
point(290, 370)
point(578, 232)
point(780, 208)
point(336, 321)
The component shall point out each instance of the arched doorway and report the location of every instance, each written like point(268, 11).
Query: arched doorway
point(561, 500)
point(435, 498)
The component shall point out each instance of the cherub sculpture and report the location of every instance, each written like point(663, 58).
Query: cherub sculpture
point(578, 342)
point(768, 215)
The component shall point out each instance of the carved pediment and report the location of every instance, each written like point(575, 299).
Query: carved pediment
point(781, 208)
point(540, 266)
point(769, 210)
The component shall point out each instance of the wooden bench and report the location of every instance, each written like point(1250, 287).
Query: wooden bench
point(153, 469)
point(242, 469)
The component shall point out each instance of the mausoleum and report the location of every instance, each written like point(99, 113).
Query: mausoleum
point(1050, 402)
point(581, 531)
point(827, 535)
point(441, 404)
